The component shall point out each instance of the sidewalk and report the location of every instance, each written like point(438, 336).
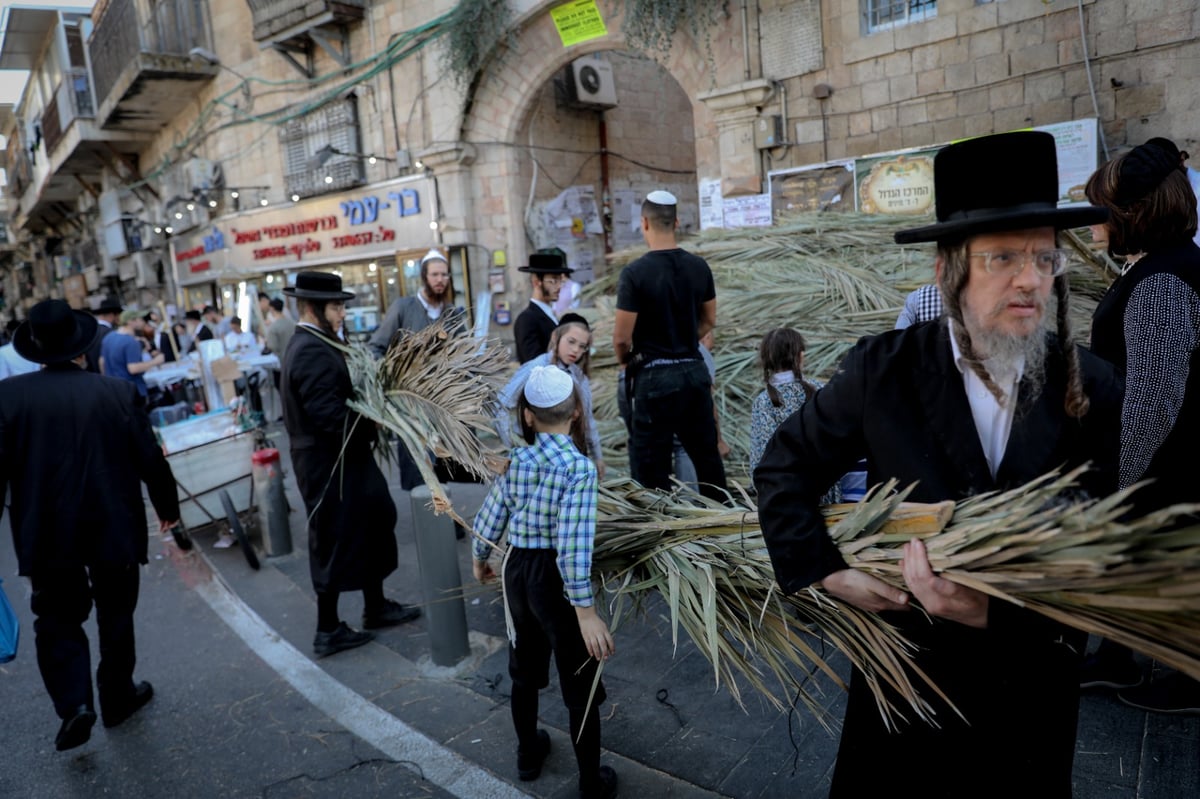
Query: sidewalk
point(665, 729)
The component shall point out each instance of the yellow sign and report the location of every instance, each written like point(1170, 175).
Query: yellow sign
point(578, 21)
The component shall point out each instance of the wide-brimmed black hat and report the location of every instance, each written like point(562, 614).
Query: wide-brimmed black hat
point(110, 304)
point(318, 286)
point(546, 264)
point(54, 333)
point(991, 184)
point(193, 315)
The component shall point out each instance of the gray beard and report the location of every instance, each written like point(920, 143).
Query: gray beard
point(1002, 352)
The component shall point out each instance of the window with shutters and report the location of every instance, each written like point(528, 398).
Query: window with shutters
point(880, 15)
point(319, 150)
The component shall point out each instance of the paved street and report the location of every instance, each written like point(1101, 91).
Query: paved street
point(241, 709)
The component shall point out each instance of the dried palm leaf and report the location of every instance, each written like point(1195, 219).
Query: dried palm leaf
point(834, 277)
point(438, 393)
point(1079, 563)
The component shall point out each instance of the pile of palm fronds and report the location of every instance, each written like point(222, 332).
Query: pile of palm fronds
point(833, 277)
point(438, 393)
point(1076, 562)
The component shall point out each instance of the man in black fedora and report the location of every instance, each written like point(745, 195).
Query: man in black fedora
point(107, 314)
point(352, 519)
point(547, 272)
point(66, 433)
point(988, 397)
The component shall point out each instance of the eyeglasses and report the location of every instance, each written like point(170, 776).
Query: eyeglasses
point(1047, 263)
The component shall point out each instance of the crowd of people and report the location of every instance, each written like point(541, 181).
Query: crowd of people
point(980, 387)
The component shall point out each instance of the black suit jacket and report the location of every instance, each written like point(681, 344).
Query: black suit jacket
point(532, 333)
point(75, 448)
point(351, 514)
point(899, 400)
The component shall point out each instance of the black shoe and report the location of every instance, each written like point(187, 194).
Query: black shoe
point(1173, 693)
point(142, 692)
point(344, 637)
point(605, 786)
point(1099, 671)
point(76, 730)
point(391, 614)
point(529, 765)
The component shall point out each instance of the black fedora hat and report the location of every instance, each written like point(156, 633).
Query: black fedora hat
point(110, 304)
point(193, 315)
point(546, 264)
point(54, 333)
point(318, 286)
point(991, 184)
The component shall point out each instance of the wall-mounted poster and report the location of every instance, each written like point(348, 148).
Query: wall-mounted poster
point(899, 184)
point(752, 210)
point(825, 187)
point(1078, 154)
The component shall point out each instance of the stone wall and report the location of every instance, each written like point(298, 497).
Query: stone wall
point(981, 68)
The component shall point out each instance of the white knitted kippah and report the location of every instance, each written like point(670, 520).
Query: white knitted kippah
point(661, 197)
point(432, 255)
point(547, 386)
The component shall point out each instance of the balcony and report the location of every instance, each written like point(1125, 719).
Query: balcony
point(141, 65)
point(282, 20)
point(72, 100)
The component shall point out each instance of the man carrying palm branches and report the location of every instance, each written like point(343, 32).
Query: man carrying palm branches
point(985, 400)
point(351, 516)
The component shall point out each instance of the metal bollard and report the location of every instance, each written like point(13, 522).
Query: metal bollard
point(441, 582)
point(272, 504)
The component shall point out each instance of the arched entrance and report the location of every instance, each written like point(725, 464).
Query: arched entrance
point(658, 136)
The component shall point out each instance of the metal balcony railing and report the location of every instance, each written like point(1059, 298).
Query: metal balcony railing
point(72, 100)
point(175, 27)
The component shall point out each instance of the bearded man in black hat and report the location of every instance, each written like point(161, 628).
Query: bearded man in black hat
point(66, 433)
point(352, 519)
point(985, 398)
point(534, 325)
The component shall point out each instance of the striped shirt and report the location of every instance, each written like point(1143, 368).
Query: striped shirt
point(546, 500)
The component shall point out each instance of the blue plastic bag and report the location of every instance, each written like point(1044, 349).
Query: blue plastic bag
point(10, 628)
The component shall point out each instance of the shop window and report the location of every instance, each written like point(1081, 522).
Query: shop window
point(879, 15)
point(320, 150)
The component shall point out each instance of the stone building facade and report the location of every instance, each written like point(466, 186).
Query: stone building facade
point(284, 102)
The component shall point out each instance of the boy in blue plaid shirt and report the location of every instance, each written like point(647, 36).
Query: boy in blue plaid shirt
point(546, 502)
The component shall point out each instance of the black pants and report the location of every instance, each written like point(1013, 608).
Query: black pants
point(675, 401)
point(62, 602)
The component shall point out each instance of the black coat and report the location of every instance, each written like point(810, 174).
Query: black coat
point(93, 352)
point(351, 536)
point(532, 333)
point(75, 448)
point(899, 400)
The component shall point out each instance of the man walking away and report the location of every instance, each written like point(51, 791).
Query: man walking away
point(666, 302)
point(66, 433)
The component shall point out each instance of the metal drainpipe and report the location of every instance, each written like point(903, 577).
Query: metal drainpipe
point(746, 38)
point(605, 194)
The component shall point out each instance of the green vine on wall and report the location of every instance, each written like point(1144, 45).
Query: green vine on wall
point(476, 29)
point(651, 25)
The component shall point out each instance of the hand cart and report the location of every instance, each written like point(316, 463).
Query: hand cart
point(213, 472)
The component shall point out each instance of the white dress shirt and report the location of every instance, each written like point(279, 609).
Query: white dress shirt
point(993, 422)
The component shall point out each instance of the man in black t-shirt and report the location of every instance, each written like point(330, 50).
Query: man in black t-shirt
point(666, 301)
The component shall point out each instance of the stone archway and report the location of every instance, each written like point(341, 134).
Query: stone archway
point(503, 102)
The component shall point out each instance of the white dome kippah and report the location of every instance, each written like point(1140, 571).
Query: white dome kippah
point(547, 386)
point(432, 255)
point(661, 197)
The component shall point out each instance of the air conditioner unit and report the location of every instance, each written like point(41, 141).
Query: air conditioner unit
point(590, 83)
point(145, 265)
point(201, 174)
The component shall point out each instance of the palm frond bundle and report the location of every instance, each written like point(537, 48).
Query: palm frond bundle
point(834, 277)
point(1079, 563)
point(438, 393)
